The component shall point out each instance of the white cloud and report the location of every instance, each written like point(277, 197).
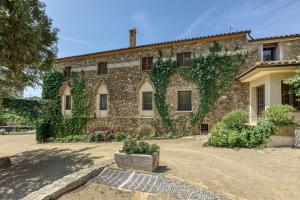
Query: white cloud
point(264, 18)
point(77, 41)
point(203, 18)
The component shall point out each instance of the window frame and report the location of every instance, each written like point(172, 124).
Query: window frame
point(183, 59)
point(181, 108)
point(148, 64)
point(273, 49)
point(68, 106)
point(102, 68)
point(143, 101)
point(103, 105)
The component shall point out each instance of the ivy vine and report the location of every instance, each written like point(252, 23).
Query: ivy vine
point(212, 73)
point(52, 123)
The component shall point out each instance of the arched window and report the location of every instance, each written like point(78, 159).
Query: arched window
point(146, 101)
point(102, 101)
point(66, 103)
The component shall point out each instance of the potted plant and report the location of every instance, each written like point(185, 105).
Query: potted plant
point(138, 156)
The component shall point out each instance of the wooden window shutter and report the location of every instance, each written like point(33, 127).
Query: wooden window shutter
point(179, 59)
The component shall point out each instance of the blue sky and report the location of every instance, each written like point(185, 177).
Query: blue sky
point(93, 25)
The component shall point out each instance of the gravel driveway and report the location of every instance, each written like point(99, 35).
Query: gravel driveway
point(245, 173)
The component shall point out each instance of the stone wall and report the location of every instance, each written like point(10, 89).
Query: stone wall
point(125, 77)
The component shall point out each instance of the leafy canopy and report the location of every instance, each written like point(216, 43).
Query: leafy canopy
point(27, 44)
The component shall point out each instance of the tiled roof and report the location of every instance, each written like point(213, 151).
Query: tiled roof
point(277, 62)
point(157, 44)
point(266, 64)
point(276, 37)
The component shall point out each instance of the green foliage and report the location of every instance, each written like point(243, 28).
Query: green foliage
point(27, 43)
point(294, 82)
point(70, 138)
point(49, 124)
point(120, 137)
point(131, 146)
point(212, 74)
point(279, 114)
point(29, 109)
point(238, 135)
point(11, 119)
point(236, 118)
point(159, 75)
point(169, 135)
point(53, 124)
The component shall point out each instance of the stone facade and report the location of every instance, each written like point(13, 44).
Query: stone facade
point(125, 78)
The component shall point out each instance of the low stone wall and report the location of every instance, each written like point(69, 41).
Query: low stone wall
point(67, 183)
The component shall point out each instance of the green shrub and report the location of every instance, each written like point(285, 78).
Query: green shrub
point(120, 137)
point(244, 136)
point(279, 114)
point(131, 146)
point(219, 135)
point(152, 135)
point(97, 136)
point(169, 135)
point(236, 119)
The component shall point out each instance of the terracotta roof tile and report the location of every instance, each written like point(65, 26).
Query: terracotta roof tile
point(159, 43)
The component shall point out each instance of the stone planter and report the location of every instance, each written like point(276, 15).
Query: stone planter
point(284, 136)
point(4, 162)
point(137, 161)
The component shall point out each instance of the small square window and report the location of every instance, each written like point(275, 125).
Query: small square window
point(183, 59)
point(103, 101)
point(67, 71)
point(147, 62)
point(185, 101)
point(147, 100)
point(102, 68)
point(269, 53)
point(68, 102)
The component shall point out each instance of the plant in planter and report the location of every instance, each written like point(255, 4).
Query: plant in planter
point(138, 156)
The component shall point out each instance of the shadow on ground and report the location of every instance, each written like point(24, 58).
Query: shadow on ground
point(34, 169)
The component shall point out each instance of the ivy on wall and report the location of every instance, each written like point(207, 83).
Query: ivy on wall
point(212, 74)
point(52, 123)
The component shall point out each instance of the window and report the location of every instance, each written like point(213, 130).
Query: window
point(68, 102)
point(269, 53)
point(147, 63)
point(147, 100)
point(184, 101)
point(102, 68)
point(183, 59)
point(103, 101)
point(260, 100)
point(67, 71)
point(288, 96)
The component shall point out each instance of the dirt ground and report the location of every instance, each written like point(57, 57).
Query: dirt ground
point(95, 191)
point(245, 173)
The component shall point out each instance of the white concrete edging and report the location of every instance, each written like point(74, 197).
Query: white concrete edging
point(67, 183)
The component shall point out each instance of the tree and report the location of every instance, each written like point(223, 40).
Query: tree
point(27, 44)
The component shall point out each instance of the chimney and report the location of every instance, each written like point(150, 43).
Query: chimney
point(132, 37)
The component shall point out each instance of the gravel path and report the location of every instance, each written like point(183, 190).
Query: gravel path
point(142, 182)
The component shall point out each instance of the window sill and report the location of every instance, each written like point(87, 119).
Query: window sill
point(184, 111)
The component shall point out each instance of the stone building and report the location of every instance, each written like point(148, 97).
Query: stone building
point(123, 92)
